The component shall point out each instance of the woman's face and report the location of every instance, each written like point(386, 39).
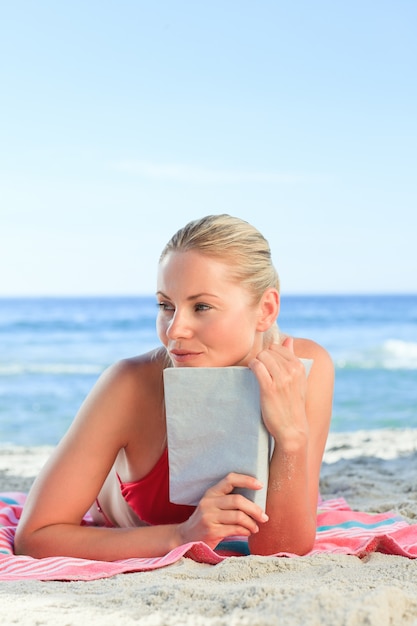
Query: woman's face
point(205, 319)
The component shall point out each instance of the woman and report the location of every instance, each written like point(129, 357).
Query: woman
point(218, 298)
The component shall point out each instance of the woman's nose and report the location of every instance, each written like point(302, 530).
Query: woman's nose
point(179, 326)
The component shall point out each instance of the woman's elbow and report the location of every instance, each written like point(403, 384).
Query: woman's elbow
point(27, 544)
point(300, 546)
point(22, 543)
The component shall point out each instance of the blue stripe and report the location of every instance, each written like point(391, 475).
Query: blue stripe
point(8, 500)
point(357, 524)
point(241, 547)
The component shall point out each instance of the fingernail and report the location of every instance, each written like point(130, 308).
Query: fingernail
point(264, 517)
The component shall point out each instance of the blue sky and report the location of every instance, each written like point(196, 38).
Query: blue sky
point(121, 121)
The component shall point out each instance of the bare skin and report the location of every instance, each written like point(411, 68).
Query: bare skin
point(205, 320)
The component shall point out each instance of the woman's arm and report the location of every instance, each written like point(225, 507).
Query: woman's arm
point(72, 478)
point(297, 413)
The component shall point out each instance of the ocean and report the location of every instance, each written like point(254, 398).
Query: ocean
point(52, 350)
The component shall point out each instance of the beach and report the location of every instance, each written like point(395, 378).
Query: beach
point(375, 471)
point(53, 351)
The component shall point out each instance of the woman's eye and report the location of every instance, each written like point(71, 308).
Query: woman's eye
point(165, 306)
point(202, 307)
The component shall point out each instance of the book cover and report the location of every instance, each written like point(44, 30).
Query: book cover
point(214, 426)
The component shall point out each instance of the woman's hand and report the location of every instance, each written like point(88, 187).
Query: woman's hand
point(297, 413)
point(222, 513)
point(283, 386)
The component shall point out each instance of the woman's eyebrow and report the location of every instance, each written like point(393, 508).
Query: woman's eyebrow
point(193, 297)
point(202, 295)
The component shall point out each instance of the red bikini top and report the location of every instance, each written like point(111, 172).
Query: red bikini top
point(149, 497)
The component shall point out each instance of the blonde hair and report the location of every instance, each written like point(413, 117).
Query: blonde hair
point(238, 244)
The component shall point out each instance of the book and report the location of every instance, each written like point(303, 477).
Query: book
point(215, 426)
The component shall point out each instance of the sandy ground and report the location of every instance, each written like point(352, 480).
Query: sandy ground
point(375, 471)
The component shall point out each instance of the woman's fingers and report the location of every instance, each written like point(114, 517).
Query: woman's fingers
point(226, 500)
point(283, 385)
point(236, 522)
point(233, 480)
point(276, 362)
point(222, 513)
point(289, 343)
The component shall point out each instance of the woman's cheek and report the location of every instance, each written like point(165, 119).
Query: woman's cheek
point(161, 327)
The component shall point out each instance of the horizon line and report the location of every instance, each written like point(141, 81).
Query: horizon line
point(46, 296)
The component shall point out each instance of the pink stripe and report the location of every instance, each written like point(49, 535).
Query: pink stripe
point(397, 538)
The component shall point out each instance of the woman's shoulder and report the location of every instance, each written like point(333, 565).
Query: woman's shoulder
point(309, 349)
point(134, 376)
point(147, 367)
point(153, 361)
point(126, 395)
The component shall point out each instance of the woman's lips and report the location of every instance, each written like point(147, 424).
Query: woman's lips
point(183, 356)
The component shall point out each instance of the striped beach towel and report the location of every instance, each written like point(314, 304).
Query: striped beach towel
point(340, 530)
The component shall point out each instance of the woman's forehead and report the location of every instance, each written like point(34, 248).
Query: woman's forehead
point(193, 269)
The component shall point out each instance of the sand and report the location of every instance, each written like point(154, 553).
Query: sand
point(375, 471)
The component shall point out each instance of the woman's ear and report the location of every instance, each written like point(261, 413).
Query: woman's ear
point(268, 309)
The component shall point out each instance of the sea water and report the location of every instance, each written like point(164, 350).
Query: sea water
point(52, 351)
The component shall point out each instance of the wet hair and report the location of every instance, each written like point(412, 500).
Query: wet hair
point(237, 243)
